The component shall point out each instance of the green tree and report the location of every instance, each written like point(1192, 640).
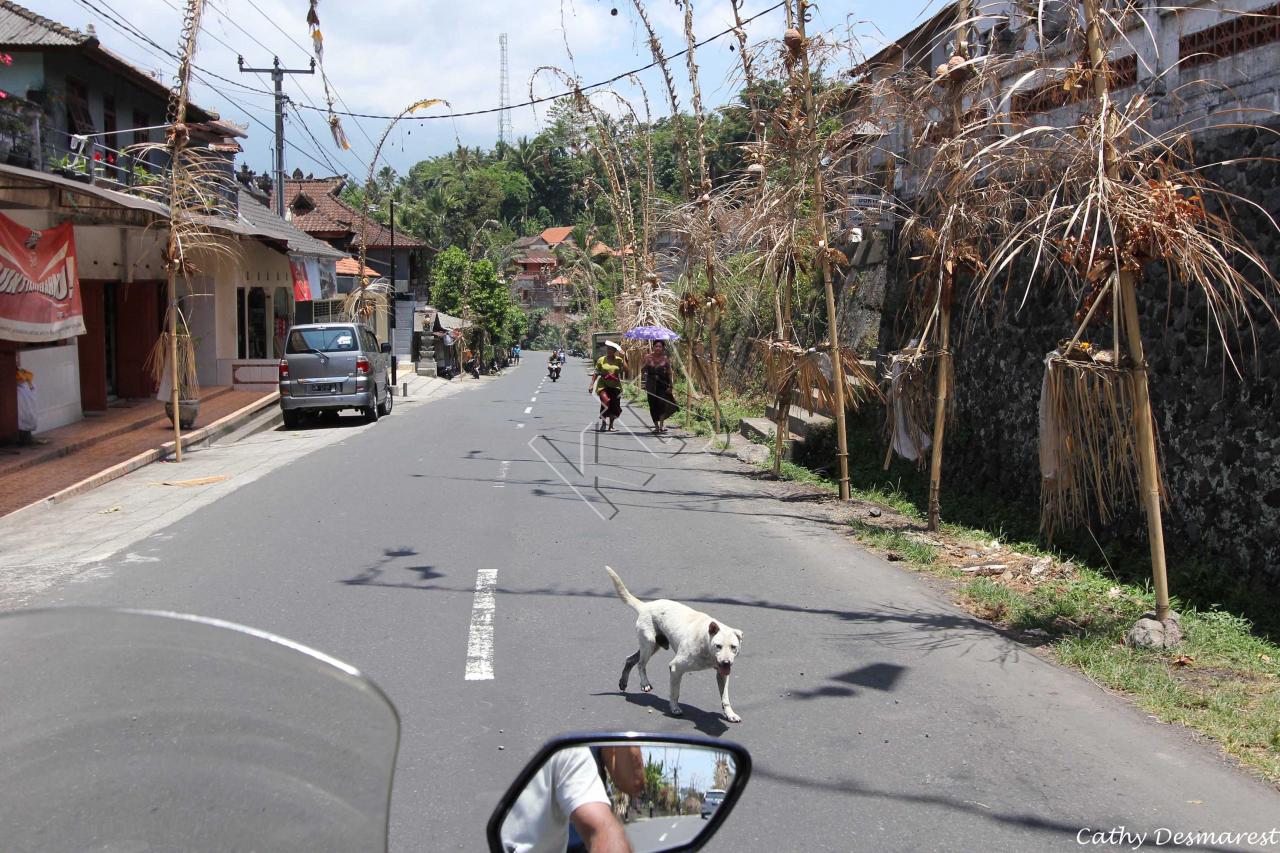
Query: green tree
point(517, 326)
point(450, 280)
point(490, 302)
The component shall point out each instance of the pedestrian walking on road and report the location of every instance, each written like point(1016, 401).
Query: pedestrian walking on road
point(658, 383)
point(606, 383)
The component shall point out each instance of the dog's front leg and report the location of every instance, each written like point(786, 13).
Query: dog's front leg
point(723, 682)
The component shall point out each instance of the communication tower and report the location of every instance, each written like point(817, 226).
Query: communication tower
point(505, 132)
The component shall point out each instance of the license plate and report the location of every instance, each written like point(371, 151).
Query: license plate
point(322, 389)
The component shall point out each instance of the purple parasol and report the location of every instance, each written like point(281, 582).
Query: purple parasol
point(650, 333)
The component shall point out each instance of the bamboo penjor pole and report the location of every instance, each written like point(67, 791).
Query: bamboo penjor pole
point(946, 294)
point(824, 257)
point(1150, 481)
point(175, 251)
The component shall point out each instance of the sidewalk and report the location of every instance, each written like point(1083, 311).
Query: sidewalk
point(81, 450)
point(102, 447)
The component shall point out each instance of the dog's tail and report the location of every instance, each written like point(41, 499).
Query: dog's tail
point(623, 592)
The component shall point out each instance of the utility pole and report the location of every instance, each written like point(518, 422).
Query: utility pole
point(391, 320)
point(277, 75)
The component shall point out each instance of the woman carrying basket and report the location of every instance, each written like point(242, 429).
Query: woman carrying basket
point(606, 383)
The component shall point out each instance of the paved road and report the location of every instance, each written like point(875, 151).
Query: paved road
point(880, 716)
point(663, 833)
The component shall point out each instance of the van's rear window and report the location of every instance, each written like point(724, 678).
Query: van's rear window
point(335, 339)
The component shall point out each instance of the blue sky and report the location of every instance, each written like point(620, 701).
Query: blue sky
point(382, 55)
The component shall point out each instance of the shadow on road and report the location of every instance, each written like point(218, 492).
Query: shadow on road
point(1059, 831)
point(712, 725)
point(374, 575)
point(876, 676)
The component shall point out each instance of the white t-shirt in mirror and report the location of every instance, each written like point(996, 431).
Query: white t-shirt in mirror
point(539, 820)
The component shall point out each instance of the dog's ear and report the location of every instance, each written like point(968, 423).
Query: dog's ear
point(713, 628)
point(739, 633)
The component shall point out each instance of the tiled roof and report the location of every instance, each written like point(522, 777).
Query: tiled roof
point(557, 234)
point(264, 222)
point(333, 216)
point(350, 266)
point(21, 26)
point(538, 257)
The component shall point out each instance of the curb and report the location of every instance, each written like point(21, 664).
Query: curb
point(196, 438)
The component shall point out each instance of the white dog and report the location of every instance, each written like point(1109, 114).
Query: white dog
point(697, 640)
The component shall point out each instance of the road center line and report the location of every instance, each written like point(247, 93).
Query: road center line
point(662, 838)
point(480, 638)
point(519, 426)
point(533, 399)
point(528, 410)
point(502, 476)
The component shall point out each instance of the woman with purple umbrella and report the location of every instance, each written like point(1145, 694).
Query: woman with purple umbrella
point(658, 382)
point(656, 373)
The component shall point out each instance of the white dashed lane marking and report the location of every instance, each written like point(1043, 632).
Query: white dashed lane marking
point(528, 410)
point(480, 638)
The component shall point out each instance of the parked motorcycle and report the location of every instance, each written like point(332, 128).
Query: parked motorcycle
point(553, 370)
point(473, 367)
point(139, 730)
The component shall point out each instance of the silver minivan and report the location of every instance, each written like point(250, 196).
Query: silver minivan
point(328, 367)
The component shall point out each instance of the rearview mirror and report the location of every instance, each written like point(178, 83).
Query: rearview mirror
point(385, 348)
point(644, 793)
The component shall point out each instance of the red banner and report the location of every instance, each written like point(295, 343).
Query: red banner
point(39, 288)
point(301, 282)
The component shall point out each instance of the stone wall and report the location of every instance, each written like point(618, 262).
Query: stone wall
point(1219, 433)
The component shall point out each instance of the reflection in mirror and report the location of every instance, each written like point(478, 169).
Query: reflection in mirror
point(637, 797)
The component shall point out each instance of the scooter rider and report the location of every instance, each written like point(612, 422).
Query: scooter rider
point(553, 367)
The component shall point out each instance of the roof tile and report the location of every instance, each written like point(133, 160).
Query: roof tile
point(332, 215)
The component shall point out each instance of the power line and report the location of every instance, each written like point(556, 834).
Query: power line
point(128, 32)
point(332, 166)
point(568, 92)
point(112, 16)
point(225, 16)
point(324, 75)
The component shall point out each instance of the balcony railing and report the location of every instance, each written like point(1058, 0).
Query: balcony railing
point(27, 141)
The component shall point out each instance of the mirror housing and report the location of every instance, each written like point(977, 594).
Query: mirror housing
point(385, 349)
point(714, 809)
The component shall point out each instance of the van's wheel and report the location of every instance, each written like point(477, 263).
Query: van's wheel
point(371, 411)
point(292, 418)
point(385, 408)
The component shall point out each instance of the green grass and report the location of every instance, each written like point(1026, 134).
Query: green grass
point(1229, 689)
point(914, 551)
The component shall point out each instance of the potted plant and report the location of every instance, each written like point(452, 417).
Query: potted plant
point(188, 381)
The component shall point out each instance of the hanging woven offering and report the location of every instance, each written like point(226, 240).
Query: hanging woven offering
point(911, 400)
point(1089, 462)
